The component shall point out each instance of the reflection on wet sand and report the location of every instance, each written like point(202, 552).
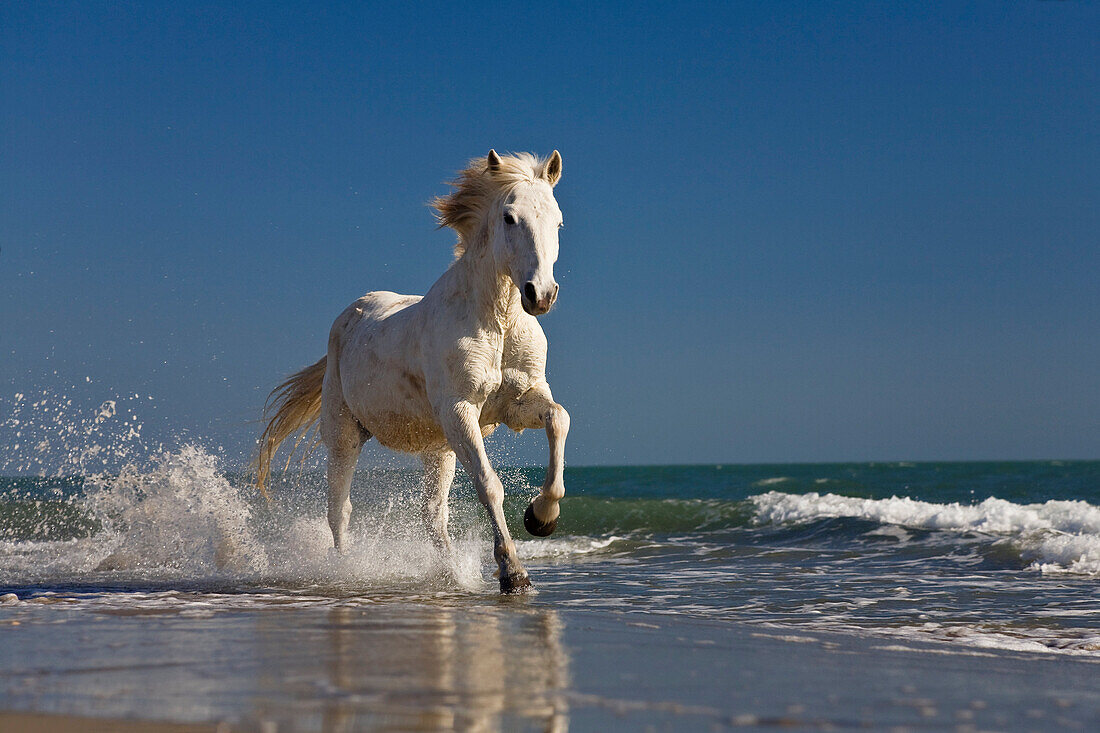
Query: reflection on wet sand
point(425, 668)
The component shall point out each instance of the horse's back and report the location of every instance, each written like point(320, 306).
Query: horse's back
point(376, 306)
point(377, 324)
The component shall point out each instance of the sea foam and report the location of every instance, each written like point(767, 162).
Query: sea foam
point(1055, 536)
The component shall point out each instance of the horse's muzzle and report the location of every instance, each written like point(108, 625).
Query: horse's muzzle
point(536, 303)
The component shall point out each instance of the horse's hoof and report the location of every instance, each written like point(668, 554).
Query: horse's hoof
point(515, 584)
point(535, 527)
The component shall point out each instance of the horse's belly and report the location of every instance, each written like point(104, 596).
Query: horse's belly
point(394, 408)
point(410, 434)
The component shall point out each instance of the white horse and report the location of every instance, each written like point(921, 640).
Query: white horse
point(434, 375)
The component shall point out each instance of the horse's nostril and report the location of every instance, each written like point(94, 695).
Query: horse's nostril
point(529, 292)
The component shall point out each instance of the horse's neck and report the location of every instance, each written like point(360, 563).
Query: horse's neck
point(490, 293)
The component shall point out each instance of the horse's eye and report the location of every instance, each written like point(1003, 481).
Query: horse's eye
point(509, 219)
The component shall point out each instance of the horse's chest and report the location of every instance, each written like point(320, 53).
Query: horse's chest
point(475, 368)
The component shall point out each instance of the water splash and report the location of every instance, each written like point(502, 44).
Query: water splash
point(148, 514)
point(179, 513)
point(51, 433)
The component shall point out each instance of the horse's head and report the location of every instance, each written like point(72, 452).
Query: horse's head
point(523, 232)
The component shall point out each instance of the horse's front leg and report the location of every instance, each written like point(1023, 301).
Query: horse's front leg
point(461, 425)
point(537, 409)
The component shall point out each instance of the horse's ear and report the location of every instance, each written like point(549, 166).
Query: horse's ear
point(493, 160)
point(552, 170)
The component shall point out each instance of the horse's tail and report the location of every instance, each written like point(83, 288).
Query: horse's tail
point(294, 404)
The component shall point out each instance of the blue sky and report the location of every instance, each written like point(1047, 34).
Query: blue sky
point(794, 231)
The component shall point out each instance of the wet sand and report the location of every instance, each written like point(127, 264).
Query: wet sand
point(52, 723)
point(505, 664)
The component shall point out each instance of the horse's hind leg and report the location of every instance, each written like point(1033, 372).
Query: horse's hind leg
point(439, 472)
point(344, 438)
point(341, 467)
point(537, 409)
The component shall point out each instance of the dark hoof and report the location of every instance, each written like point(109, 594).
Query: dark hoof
point(537, 528)
point(516, 584)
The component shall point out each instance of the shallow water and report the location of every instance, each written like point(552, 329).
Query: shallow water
point(928, 551)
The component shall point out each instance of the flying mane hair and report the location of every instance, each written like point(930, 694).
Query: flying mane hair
point(476, 187)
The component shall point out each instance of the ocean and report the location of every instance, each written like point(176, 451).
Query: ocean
point(981, 554)
point(965, 561)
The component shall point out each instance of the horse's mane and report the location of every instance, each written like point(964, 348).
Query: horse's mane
point(476, 188)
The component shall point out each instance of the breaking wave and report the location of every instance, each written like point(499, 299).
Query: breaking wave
point(1055, 536)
